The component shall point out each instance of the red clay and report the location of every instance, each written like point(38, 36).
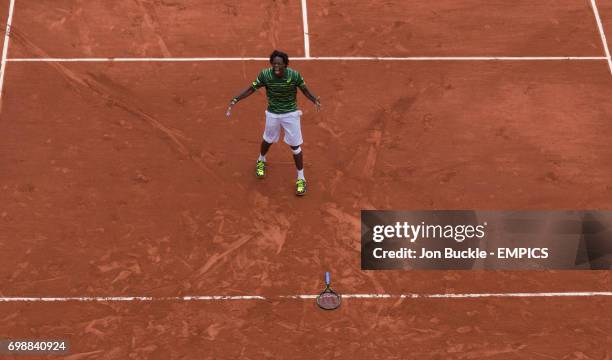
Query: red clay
point(3, 17)
point(127, 179)
point(382, 329)
point(152, 186)
point(183, 28)
point(605, 12)
point(451, 28)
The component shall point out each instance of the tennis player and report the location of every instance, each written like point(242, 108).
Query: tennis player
point(281, 84)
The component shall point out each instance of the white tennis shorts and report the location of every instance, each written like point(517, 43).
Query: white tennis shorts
point(290, 122)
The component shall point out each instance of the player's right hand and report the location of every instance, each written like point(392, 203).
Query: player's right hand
point(229, 109)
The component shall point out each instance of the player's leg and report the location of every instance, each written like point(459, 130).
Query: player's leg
point(265, 146)
point(293, 138)
point(298, 157)
point(260, 166)
point(271, 135)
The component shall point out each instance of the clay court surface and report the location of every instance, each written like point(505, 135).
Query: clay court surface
point(126, 179)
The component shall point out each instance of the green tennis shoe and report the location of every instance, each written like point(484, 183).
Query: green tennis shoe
point(300, 187)
point(260, 169)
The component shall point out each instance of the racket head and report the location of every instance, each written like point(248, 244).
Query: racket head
point(329, 300)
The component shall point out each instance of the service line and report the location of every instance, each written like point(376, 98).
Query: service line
point(322, 58)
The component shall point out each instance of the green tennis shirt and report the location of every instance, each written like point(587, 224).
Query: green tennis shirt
point(281, 92)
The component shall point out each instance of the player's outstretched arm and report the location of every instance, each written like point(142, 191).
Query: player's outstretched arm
point(246, 93)
point(315, 100)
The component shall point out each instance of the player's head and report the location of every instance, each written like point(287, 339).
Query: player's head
point(279, 61)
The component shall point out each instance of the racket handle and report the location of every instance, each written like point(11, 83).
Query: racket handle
point(327, 278)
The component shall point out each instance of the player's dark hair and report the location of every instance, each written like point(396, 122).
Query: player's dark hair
point(280, 54)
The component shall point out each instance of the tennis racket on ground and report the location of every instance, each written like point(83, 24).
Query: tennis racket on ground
point(328, 299)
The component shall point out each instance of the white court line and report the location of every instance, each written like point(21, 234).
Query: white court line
point(602, 34)
point(506, 295)
point(305, 297)
point(459, 296)
point(208, 298)
point(186, 59)
point(128, 298)
point(7, 34)
point(456, 58)
point(306, 33)
point(322, 58)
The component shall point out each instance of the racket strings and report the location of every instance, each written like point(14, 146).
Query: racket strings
point(328, 300)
